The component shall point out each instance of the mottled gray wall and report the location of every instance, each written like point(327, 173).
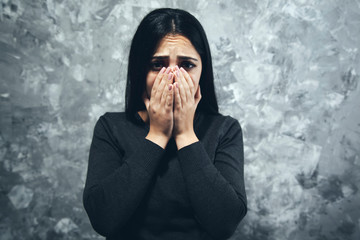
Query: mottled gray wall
point(287, 70)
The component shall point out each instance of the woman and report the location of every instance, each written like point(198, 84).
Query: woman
point(170, 166)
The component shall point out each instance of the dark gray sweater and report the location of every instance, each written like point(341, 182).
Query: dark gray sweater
point(136, 190)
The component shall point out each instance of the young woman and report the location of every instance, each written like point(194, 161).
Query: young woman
point(170, 166)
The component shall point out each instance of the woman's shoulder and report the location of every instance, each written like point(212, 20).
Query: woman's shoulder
point(221, 123)
point(219, 119)
point(114, 116)
point(111, 119)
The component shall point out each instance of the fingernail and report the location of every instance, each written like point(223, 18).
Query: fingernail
point(177, 85)
point(177, 68)
point(162, 70)
point(170, 76)
point(170, 86)
point(168, 70)
point(177, 72)
point(182, 69)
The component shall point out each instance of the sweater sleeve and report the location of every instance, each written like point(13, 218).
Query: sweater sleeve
point(217, 190)
point(115, 185)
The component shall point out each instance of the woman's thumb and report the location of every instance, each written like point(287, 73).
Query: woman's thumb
point(198, 94)
point(146, 100)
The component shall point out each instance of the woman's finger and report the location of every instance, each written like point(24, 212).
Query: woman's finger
point(178, 79)
point(169, 98)
point(178, 104)
point(183, 86)
point(198, 95)
point(157, 81)
point(162, 85)
point(187, 89)
point(165, 92)
point(146, 101)
point(188, 79)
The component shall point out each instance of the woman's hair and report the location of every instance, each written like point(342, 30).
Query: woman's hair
point(156, 25)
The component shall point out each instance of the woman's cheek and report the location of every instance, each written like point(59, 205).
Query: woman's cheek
point(196, 79)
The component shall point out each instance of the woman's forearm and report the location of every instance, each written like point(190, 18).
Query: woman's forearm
point(112, 191)
point(183, 140)
point(219, 206)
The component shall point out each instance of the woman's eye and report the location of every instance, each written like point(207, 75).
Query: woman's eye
point(187, 65)
point(156, 66)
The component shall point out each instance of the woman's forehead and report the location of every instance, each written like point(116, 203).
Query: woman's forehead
point(176, 44)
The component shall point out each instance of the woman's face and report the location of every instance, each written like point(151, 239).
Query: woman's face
point(174, 50)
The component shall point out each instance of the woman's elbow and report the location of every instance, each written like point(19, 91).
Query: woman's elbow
point(227, 229)
point(98, 216)
point(243, 210)
point(231, 227)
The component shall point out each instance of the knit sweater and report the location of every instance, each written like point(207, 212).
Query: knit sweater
point(137, 190)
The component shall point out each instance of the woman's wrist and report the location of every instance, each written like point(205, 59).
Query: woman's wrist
point(158, 139)
point(185, 139)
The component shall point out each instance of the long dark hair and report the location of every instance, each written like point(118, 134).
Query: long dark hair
point(156, 25)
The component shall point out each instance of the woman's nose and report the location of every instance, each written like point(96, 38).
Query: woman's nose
point(173, 67)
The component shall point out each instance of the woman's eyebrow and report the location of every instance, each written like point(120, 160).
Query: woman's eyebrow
point(160, 57)
point(180, 57)
point(187, 58)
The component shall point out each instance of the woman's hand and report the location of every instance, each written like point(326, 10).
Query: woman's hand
point(187, 98)
point(160, 108)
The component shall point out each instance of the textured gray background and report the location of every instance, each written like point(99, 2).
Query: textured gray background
point(287, 70)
